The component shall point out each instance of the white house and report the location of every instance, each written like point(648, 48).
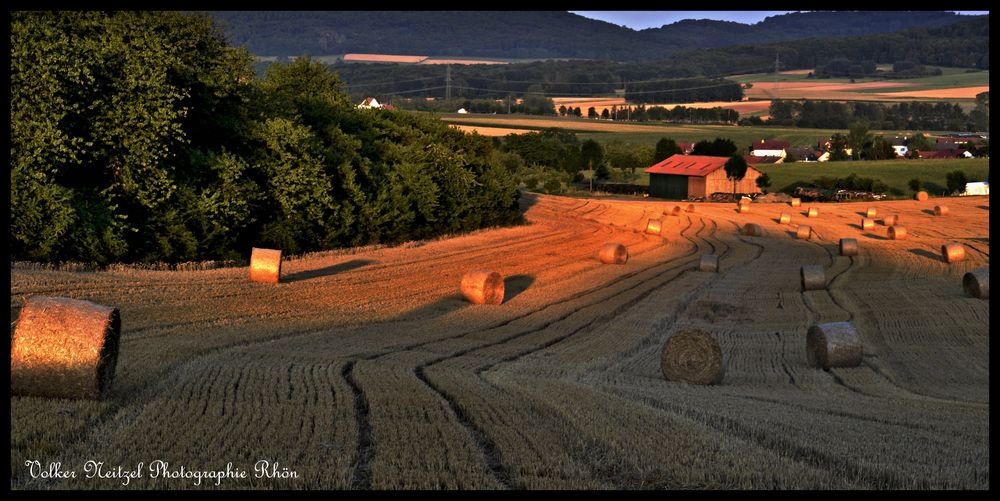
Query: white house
point(462, 111)
point(980, 188)
point(900, 149)
point(369, 103)
point(770, 148)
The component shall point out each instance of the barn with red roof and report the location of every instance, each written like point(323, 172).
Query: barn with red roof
point(696, 176)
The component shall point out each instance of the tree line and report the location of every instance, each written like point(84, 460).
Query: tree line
point(143, 136)
point(915, 115)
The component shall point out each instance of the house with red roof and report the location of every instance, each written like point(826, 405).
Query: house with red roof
point(696, 176)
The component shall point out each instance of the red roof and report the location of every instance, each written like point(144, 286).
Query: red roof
point(688, 165)
point(771, 144)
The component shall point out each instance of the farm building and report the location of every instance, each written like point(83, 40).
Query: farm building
point(769, 148)
point(369, 103)
point(977, 188)
point(696, 176)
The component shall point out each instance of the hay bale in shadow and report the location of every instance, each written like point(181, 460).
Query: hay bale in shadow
point(483, 287)
point(753, 230)
point(940, 210)
point(897, 233)
point(709, 263)
point(977, 283)
point(803, 232)
point(265, 265)
point(834, 344)
point(848, 247)
point(813, 277)
point(692, 356)
point(64, 348)
point(690, 208)
point(953, 252)
point(613, 253)
point(890, 220)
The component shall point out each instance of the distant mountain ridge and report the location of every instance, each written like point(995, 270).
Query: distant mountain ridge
point(535, 34)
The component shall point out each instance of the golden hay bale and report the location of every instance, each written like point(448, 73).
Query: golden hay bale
point(813, 277)
point(784, 218)
point(953, 252)
point(676, 211)
point(848, 247)
point(940, 210)
point(265, 265)
point(890, 220)
point(744, 208)
point(813, 212)
point(709, 262)
point(690, 208)
point(977, 283)
point(867, 223)
point(803, 232)
point(796, 202)
point(834, 344)
point(653, 226)
point(753, 230)
point(870, 213)
point(613, 253)
point(482, 287)
point(65, 348)
point(897, 233)
point(745, 201)
point(921, 196)
point(692, 356)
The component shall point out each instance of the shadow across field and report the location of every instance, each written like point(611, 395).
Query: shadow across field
point(329, 270)
point(928, 211)
point(926, 253)
point(874, 236)
point(514, 285)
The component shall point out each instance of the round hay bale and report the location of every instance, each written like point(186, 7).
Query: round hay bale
point(977, 283)
point(653, 226)
point(890, 220)
point(834, 344)
point(813, 212)
point(64, 348)
point(867, 224)
point(870, 213)
point(690, 208)
point(953, 252)
point(709, 262)
point(265, 265)
point(897, 233)
point(921, 196)
point(613, 253)
point(743, 208)
point(803, 232)
point(753, 230)
point(940, 210)
point(745, 201)
point(796, 202)
point(813, 277)
point(848, 247)
point(676, 211)
point(692, 356)
point(784, 218)
point(482, 287)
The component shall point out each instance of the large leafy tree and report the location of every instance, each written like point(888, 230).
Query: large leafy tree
point(736, 169)
point(665, 148)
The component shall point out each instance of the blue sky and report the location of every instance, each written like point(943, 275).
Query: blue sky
point(641, 19)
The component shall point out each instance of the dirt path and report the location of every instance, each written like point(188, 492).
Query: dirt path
point(366, 368)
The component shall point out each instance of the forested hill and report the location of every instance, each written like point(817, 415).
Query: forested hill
point(533, 34)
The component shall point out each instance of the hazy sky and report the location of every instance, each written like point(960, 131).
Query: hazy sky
point(641, 19)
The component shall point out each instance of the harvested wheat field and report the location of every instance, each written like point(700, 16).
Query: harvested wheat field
point(953, 93)
point(367, 368)
point(491, 131)
point(580, 124)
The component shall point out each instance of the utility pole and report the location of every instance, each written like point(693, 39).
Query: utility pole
point(447, 82)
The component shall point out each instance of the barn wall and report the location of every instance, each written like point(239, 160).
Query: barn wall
point(717, 181)
point(668, 186)
point(696, 187)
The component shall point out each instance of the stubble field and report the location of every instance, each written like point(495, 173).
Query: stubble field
point(366, 368)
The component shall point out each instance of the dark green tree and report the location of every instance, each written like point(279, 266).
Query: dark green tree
point(591, 112)
point(857, 137)
point(591, 154)
point(914, 184)
point(838, 148)
point(602, 173)
point(719, 147)
point(736, 170)
point(764, 182)
point(956, 180)
point(665, 148)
